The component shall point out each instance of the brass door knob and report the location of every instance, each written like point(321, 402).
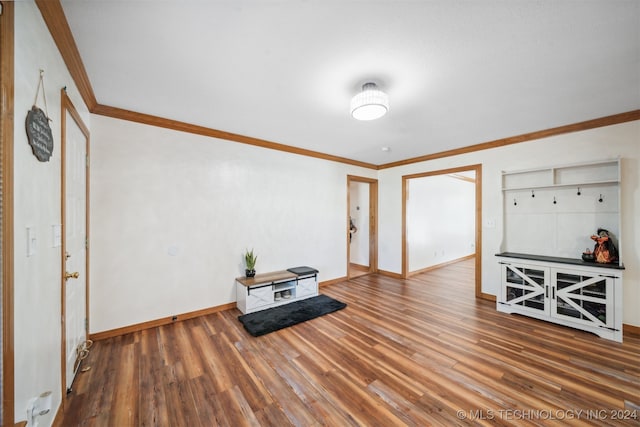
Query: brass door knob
point(73, 275)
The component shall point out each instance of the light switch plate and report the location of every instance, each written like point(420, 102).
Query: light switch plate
point(31, 241)
point(490, 223)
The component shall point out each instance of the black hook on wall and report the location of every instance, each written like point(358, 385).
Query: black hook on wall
point(554, 200)
point(579, 193)
point(601, 199)
point(515, 203)
point(533, 194)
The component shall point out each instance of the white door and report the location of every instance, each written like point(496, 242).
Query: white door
point(583, 298)
point(75, 245)
point(526, 287)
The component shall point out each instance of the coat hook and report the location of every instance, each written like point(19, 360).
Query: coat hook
point(533, 194)
point(554, 200)
point(579, 193)
point(601, 198)
point(515, 203)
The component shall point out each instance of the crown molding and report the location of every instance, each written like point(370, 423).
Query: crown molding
point(119, 113)
point(629, 116)
point(53, 15)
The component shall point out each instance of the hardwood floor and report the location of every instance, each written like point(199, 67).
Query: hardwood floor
point(414, 352)
point(357, 270)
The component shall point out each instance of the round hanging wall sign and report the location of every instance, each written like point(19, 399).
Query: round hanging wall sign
point(39, 134)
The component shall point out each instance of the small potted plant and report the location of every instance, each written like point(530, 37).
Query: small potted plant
point(250, 260)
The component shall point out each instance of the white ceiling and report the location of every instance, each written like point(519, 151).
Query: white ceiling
point(457, 73)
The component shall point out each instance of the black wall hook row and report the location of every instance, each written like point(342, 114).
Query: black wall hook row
point(601, 199)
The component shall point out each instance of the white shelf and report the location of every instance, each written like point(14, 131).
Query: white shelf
point(553, 211)
point(279, 287)
point(573, 185)
point(581, 174)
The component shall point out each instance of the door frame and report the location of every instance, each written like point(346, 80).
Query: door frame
point(373, 222)
point(67, 106)
point(7, 78)
point(478, 222)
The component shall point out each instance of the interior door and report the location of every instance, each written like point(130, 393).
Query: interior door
point(74, 243)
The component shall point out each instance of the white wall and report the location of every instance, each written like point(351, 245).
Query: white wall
point(172, 214)
point(359, 212)
point(37, 204)
point(441, 216)
point(596, 144)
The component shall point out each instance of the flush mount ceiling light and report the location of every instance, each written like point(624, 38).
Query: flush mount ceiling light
point(370, 104)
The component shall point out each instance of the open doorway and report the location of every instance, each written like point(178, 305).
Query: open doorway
point(442, 217)
point(362, 214)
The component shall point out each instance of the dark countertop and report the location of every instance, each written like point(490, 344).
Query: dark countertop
point(572, 261)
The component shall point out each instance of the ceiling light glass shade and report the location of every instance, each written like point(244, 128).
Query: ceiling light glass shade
point(370, 104)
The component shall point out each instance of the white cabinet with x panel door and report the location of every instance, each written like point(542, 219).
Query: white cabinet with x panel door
point(583, 296)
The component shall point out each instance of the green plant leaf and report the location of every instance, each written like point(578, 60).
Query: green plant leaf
point(250, 259)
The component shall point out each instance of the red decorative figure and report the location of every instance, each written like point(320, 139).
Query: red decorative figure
point(604, 251)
